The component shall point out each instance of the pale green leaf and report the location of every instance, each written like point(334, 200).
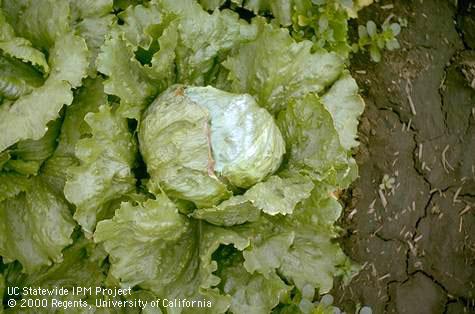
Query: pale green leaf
point(127, 78)
point(35, 226)
point(204, 37)
point(279, 196)
point(234, 211)
point(12, 184)
point(42, 22)
point(22, 120)
point(104, 173)
point(69, 60)
point(274, 68)
point(21, 48)
point(313, 143)
point(166, 253)
point(345, 105)
point(139, 23)
point(253, 294)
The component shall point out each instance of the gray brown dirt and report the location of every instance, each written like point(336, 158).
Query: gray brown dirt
point(416, 241)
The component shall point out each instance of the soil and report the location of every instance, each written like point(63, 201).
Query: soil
point(416, 239)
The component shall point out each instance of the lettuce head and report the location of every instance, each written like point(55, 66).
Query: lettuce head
point(200, 143)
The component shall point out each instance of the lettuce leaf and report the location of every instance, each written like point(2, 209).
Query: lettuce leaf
point(313, 143)
point(345, 105)
point(127, 78)
point(38, 240)
point(81, 9)
point(17, 79)
point(274, 68)
point(69, 60)
point(12, 184)
point(83, 265)
point(88, 99)
point(27, 156)
point(204, 37)
point(22, 120)
point(234, 211)
point(104, 173)
point(18, 47)
point(273, 196)
point(300, 247)
point(165, 252)
point(279, 196)
point(251, 293)
point(141, 24)
point(42, 22)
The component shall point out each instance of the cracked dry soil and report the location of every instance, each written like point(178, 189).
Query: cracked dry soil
point(416, 239)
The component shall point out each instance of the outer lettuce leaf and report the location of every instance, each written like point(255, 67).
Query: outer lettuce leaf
point(12, 184)
point(274, 68)
point(17, 79)
point(300, 246)
point(274, 196)
point(152, 224)
point(69, 60)
point(203, 38)
point(27, 156)
point(38, 240)
point(22, 120)
point(127, 77)
point(92, 20)
point(234, 211)
point(166, 253)
point(250, 293)
point(94, 30)
point(282, 10)
point(88, 99)
point(104, 173)
point(345, 105)
point(19, 48)
point(82, 266)
point(253, 294)
point(313, 143)
point(267, 256)
point(141, 24)
point(81, 9)
point(137, 39)
point(42, 22)
point(279, 196)
point(163, 69)
point(124, 4)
